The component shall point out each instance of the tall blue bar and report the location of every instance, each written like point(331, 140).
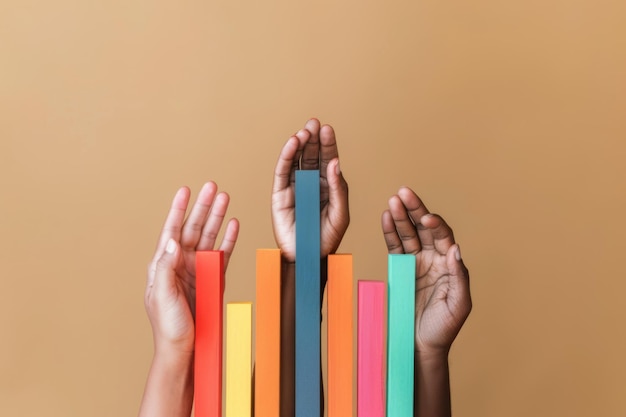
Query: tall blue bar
point(400, 335)
point(308, 309)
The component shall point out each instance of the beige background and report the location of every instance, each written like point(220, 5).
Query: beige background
point(506, 117)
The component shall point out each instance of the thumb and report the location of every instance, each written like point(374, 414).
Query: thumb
point(459, 279)
point(337, 188)
point(166, 265)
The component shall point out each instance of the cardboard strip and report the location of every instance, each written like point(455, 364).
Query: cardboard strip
point(267, 363)
point(370, 349)
point(208, 341)
point(238, 359)
point(308, 314)
point(340, 329)
point(400, 335)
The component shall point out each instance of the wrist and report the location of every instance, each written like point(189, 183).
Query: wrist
point(169, 388)
point(172, 357)
point(433, 356)
point(432, 383)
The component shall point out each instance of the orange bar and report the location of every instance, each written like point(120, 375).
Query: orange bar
point(208, 343)
point(340, 302)
point(267, 363)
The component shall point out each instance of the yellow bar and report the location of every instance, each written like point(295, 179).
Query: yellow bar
point(267, 371)
point(238, 359)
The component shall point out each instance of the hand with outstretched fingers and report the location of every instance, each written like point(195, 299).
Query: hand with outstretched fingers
point(442, 299)
point(171, 286)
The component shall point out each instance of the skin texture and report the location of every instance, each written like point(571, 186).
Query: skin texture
point(443, 299)
point(170, 296)
point(313, 147)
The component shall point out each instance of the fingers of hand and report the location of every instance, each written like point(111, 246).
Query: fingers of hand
point(328, 147)
point(435, 233)
point(229, 240)
point(392, 240)
point(192, 228)
point(313, 126)
point(213, 223)
point(412, 204)
point(405, 228)
point(288, 162)
point(310, 153)
point(311, 150)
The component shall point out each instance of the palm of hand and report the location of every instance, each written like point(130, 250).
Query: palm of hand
point(186, 281)
point(331, 228)
point(311, 148)
point(171, 290)
point(174, 312)
point(437, 315)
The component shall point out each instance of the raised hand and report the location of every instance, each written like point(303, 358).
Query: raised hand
point(171, 287)
point(170, 297)
point(313, 147)
point(442, 288)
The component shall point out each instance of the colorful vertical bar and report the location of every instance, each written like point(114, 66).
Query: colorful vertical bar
point(340, 329)
point(308, 308)
point(370, 349)
point(208, 342)
point(400, 335)
point(238, 359)
point(267, 363)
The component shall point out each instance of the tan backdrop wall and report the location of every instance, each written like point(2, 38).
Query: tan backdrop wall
point(506, 117)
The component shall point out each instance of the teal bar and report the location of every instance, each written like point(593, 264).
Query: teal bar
point(400, 335)
point(308, 308)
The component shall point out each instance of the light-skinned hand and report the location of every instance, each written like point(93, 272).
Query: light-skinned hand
point(171, 285)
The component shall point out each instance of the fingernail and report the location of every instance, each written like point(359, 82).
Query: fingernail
point(337, 168)
point(457, 253)
point(426, 216)
point(309, 124)
point(171, 246)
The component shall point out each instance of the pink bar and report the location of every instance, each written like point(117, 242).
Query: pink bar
point(370, 378)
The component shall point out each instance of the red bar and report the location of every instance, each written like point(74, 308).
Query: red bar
point(208, 343)
point(370, 354)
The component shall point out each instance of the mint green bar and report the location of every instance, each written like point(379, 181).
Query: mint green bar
point(400, 335)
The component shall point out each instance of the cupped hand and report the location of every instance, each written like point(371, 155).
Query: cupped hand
point(442, 300)
point(313, 147)
point(171, 285)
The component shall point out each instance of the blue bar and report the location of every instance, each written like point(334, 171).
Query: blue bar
point(308, 308)
point(400, 335)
